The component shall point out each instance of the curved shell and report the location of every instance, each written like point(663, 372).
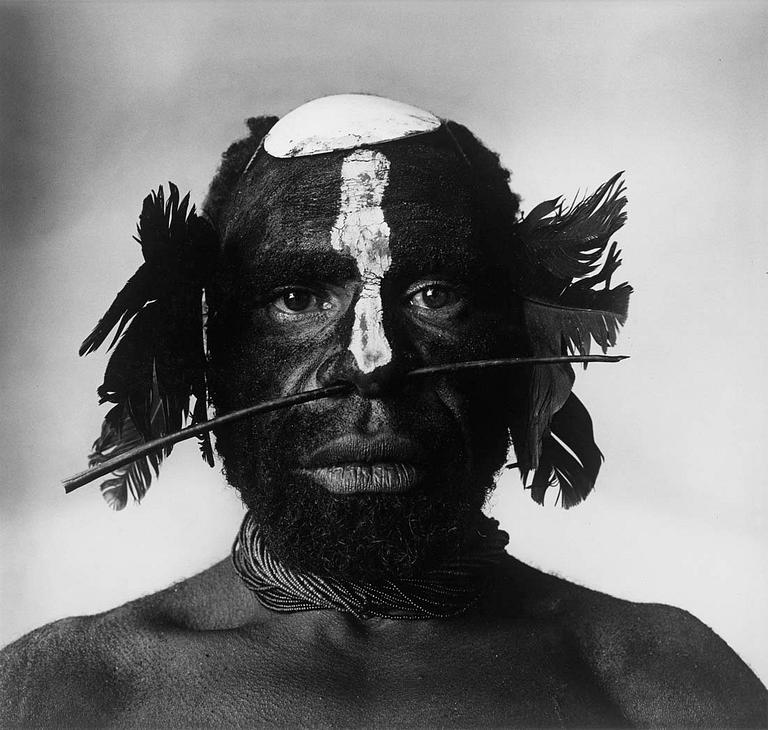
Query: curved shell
point(345, 121)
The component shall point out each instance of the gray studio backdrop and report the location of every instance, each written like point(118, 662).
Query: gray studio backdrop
point(101, 102)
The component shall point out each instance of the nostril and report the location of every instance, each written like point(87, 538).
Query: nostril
point(342, 368)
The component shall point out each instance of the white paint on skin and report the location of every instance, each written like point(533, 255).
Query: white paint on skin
point(361, 231)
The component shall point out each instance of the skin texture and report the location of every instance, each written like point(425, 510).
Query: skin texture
point(535, 651)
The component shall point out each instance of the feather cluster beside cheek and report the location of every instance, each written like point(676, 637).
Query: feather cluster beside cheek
point(568, 302)
point(157, 368)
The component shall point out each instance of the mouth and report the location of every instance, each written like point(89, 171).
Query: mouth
point(357, 478)
point(356, 464)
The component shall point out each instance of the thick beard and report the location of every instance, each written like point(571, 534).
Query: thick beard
point(363, 537)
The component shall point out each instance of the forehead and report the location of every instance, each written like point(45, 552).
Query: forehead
point(285, 206)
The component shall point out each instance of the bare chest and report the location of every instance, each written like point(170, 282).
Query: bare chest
point(530, 677)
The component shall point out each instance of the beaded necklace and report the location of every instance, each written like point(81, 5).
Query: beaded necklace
point(447, 591)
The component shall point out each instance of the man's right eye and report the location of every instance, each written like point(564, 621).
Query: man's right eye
point(298, 300)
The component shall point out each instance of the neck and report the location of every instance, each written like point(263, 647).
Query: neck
point(448, 590)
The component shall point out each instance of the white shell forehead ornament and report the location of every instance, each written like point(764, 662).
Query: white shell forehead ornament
point(343, 122)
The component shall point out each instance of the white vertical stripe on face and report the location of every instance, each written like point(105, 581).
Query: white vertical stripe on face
point(361, 231)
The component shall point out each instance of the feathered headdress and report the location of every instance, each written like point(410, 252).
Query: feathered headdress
point(158, 363)
point(568, 302)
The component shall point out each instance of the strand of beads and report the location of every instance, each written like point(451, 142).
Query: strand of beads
point(446, 591)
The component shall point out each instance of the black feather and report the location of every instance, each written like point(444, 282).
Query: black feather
point(119, 434)
point(158, 363)
point(569, 243)
point(577, 320)
point(568, 303)
point(175, 246)
point(550, 386)
point(130, 300)
point(570, 458)
point(200, 414)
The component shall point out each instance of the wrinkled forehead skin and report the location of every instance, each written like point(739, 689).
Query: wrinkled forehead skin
point(426, 200)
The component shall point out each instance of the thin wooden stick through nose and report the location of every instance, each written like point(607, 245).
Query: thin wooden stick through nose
point(336, 389)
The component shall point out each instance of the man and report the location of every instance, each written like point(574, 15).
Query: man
point(367, 246)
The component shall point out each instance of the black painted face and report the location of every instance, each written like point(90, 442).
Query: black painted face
point(359, 266)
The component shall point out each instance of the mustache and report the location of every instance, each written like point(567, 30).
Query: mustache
point(335, 390)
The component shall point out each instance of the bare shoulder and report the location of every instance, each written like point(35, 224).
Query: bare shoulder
point(666, 667)
point(660, 665)
point(64, 673)
point(84, 670)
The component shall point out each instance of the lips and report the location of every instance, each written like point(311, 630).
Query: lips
point(353, 464)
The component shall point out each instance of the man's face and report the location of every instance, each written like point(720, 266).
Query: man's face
point(360, 266)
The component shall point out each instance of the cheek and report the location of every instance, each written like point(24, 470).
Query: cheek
point(271, 361)
point(471, 335)
point(456, 404)
point(478, 402)
point(479, 412)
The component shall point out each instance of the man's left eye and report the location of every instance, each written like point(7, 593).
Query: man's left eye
point(434, 296)
point(298, 300)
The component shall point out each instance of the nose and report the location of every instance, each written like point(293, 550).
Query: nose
point(369, 343)
point(343, 368)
